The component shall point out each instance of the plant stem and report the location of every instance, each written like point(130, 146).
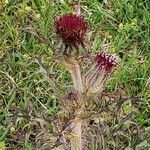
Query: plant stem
point(76, 141)
point(76, 76)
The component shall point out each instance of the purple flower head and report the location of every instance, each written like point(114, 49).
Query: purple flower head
point(99, 71)
point(106, 61)
point(71, 28)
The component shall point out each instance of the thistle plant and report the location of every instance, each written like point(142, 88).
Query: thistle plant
point(71, 30)
point(88, 83)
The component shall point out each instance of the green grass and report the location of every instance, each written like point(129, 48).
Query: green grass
point(125, 24)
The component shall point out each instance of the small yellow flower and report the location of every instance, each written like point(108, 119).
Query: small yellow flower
point(38, 16)
point(12, 129)
point(96, 120)
point(120, 26)
point(6, 1)
point(28, 8)
point(26, 56)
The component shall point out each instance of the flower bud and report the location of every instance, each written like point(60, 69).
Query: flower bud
point(99, 72)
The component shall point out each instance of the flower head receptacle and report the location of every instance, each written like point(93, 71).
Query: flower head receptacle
point(71, 29)
point(99, 72)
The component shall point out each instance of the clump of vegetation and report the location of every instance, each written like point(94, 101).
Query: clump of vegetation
point(61, 88)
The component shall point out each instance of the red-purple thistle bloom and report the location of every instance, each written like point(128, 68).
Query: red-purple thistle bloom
point(99, 72)
point(105, 61)
point(71, 28)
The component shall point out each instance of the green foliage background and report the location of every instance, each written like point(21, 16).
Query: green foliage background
point(125, 24)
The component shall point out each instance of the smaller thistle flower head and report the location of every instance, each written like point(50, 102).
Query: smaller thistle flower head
point(71, 28)
point(99, 72)
point(107, 62)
